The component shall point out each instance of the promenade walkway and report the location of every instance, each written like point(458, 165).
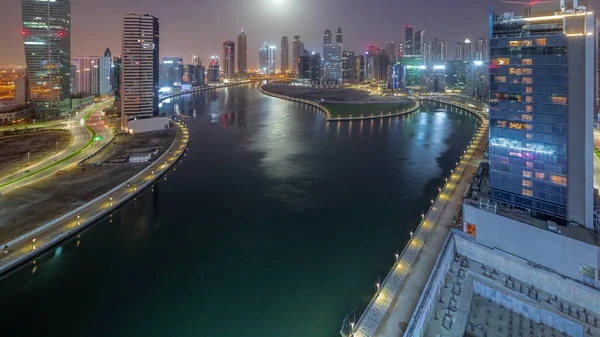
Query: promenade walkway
point(30, 244)
point(391, 308)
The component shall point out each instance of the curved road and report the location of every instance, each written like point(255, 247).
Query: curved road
point(45, 236)
point(81, 137)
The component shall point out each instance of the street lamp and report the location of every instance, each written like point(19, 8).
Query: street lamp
point(111, 203)
point(378, 284)
point(78, 221)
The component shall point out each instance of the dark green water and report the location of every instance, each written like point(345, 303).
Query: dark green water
point(274, 224)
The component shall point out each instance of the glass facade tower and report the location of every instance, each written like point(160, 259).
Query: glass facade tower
point(47, 40)
point(541, 99)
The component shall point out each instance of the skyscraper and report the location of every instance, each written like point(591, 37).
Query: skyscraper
point(47, 41)
point(315, 66)
point(419, 39)
point(541, 124)
point(408, 39)
point(116, 77)
point(171, 72)
point(327, 37)
point(266, 59)
point(443, 48)
point(198, 70)
point(84, 72)
point(427, 52)
point(332, 57)
point(285, 55)
point(242, 55)
point(463, 51)
point(361, 68)
point(392, 49)
point(297, 51)
point(339, 38)
point(348, 66)
point(228, 59)
point(213, 70)
point(139, 67)
point(482, 50)
point(105, 85)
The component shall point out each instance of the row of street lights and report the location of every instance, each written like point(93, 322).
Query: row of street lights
point(411, 233)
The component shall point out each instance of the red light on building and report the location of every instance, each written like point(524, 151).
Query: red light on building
point(23, 32)
point(61, 34)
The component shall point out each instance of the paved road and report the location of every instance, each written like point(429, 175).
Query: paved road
point(81, 137)
point(35, 241)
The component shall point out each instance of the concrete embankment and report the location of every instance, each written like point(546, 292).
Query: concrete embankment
point(328, 114)
point(44, 237)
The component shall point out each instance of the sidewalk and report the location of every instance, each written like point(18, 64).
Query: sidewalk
point(437, 224)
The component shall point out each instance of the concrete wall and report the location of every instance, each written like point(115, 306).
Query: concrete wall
point(550, 282)
point(549, 249)
point(148, 124)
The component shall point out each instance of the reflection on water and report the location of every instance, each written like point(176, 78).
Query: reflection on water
point(275, 223)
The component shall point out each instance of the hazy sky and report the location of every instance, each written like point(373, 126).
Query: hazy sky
point(198, 27)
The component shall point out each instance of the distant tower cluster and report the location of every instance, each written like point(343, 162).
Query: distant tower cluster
point(332, 57)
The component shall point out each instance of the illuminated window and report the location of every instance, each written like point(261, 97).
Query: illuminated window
point(514, 125)
point(519, 71)
point(527, 192)
point(514, 98)
point(528, 99)
point(500, 79)
point(515, 154)
point(504, 160)
point(529, 136)
point(529, 90)
point(529, 108)
point(529, 127)
point(527, 62)
point(527, 183)
point(559, 180)
point(559, 100)
point(539, 175)
point(526, 80)
point(526, 174)
point(500, 61)
point(540, 42)
point(529, 164)
point(526, 117)
point(522, 43)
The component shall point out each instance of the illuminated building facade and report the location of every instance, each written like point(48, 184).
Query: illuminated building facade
point(228, 59)
point(213, 70)
point(285, 55)
point(463, 51)
point(348, 66)
point(418, 42)
point(242, 55)
point(266, 59)
point(408, 39)
point(297, 51)
point(139, 67)
point(171, 72)
point(47, 41)
point(540, 138)
point(477, 80)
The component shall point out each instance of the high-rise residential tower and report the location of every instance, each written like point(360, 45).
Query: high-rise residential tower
point(297, 51)
point(139, 67)
point(105, 84)
point(332, 58)
point(482, 50)
point(463, 51)
point(213, 70)
point(242, 55)
point(339, 37)
point(47, 41)
point(171, 72)
point(408, 39)
point(228, 59)
point(419, 39)
point(285, 55)
point(85, 74)
point(541, 118)
point(116, 77)
point(266, 57)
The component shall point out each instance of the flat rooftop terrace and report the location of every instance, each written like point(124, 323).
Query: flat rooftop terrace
point(478, 291)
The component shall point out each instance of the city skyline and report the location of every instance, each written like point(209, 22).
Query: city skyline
point(102, 22)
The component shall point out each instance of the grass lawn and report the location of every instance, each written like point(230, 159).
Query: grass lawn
point(597, 151)
point(366, 109)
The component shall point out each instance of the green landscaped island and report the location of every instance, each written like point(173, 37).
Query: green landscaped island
point(338, 110)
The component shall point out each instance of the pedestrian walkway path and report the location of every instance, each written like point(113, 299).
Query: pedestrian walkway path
point(398, 295)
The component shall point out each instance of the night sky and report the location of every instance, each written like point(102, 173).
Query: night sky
point(198, 27)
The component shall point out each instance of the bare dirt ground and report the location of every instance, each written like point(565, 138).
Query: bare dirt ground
point(40, 145)
point(126, 145)
point(31, 206)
